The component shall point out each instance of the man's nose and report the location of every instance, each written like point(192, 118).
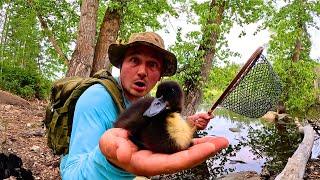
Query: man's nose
point(142, 71)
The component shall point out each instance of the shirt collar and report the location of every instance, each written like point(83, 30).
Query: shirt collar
point(127, 102)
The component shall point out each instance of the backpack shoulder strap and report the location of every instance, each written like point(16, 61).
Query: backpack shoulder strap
point(115, 91)
point(111, 85)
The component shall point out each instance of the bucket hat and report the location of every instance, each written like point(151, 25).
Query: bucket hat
point(117, 51)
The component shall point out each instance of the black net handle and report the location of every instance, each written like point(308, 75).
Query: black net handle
point(244, 70)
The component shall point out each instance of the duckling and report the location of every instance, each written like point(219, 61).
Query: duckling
point(155, 123)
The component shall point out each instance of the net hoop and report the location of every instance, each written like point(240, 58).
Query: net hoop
point(244, 70)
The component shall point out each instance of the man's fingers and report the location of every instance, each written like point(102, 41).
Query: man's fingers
point(203, 148)
point(115, 145)
point(155, 163)
point(220, 141)
point(118, 132)
point(125, 148)
point(205, 116)
point(201, 123)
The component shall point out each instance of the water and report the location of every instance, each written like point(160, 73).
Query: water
point(316, 148)
point(254, 145)
point(244, 159)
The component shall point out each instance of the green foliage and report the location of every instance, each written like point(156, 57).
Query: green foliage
point(25, 42)
point(289, 25)
point(192, 48)
point(142, 15)
point(219, 79)
point(24, 82)
point(189, 63)
point(62, 18)
point(298, 79)
point(20, 51)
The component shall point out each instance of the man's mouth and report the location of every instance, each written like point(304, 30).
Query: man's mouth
point(140, 86)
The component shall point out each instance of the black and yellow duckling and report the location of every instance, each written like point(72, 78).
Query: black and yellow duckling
point(155, 123)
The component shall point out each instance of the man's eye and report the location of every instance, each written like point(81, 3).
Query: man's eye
point(153, 65)
point(134, 60)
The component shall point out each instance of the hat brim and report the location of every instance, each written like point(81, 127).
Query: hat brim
point(116, 54)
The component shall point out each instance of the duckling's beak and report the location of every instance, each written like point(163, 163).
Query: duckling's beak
point(157, 106)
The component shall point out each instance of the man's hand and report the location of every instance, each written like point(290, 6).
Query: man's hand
point(199, 120)
point(119, 150)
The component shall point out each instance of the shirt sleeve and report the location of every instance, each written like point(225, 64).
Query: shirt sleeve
point(95, 112)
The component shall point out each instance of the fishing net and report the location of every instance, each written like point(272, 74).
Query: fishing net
point(254, 91)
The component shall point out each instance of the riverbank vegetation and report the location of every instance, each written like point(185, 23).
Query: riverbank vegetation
point(39, 41)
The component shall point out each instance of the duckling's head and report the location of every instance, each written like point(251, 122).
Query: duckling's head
point(172, 95)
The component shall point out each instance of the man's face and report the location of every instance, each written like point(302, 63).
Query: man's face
point(140, 71)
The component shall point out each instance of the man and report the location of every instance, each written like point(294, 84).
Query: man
point(99, 151)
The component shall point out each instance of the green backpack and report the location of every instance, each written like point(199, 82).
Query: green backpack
point(64, 95)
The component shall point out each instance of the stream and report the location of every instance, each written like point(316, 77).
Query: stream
point(255, 144)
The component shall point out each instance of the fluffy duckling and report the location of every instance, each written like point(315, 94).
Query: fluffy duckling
point(155, 123)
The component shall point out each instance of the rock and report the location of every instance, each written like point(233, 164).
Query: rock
point(265, 172)
point(234, 161)
point(270, 116)
point(248, 175)
point(29, 125)
point(35, 148)
point(235, 129)
point(38, 132)
point(2, 127)
point(11, 99)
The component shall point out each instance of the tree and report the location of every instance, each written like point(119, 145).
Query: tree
point(290, 47)
point(90, 56)
point(108, 34)
point(216, 18)
point(20, 51)
point(54, 26)
point(82, 57)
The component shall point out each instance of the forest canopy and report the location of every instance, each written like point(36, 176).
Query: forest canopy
point(41, 41)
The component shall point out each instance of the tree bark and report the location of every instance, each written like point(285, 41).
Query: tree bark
point(108, 34)
point(317, 83)
point(82, 57)
point(4, 34)
point(297, 50)
point(194, 94)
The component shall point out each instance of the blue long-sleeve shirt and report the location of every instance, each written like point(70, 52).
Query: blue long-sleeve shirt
point(95, 112)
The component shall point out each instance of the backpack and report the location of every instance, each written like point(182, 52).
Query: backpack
point(64, 95)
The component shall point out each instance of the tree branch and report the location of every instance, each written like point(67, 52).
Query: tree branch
point(48, 32)
point(296, 165)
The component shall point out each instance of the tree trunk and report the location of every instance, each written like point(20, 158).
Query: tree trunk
point(52, 39)
point(317, 83)
point(108, 34)
point(297, 50)
point(194, 95)
point(4, 34)
point(82, 57)
point(295, 166)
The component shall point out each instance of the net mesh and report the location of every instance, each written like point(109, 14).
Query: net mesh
point(256, 93)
